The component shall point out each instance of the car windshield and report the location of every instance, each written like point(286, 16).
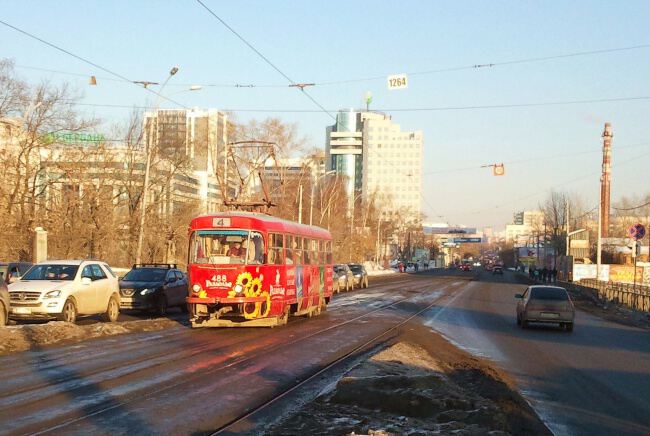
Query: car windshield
point(51, 272)
point(145, 275)
point(339, 269)
point(355, 268)
point(548, 294)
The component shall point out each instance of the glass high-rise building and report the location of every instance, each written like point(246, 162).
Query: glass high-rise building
point(379, 160)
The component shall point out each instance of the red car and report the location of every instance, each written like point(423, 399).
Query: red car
point(466, 267)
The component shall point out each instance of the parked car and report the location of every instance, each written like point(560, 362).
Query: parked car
point(65, 290)
point(545, 304)
point(5, 305)
point(497, 269)
point(466, 267)
point(343, 277)
point(360, 275)
point(154, 287)
point(12, 271)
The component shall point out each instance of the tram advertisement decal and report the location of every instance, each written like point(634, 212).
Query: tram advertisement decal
point(299, 281)
point(321, 283)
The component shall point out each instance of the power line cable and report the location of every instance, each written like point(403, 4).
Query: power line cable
point(82, 59)
point(291, 81)
point(431, 109)
point(534, 159)
point(632, 208)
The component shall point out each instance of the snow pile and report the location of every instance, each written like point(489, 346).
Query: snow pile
point(24, 337)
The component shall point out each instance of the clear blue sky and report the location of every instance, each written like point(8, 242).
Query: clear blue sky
point(318, 41)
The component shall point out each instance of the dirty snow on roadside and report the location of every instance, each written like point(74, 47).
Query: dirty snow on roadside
point(23, 337)
point(405, 390)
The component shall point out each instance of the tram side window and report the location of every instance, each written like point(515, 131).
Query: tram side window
point(321, 252)
point(328, 250)
point(289, 249)
point(297, 250)
point(276, 249)
point(306, 253)
point(313, 251)
point(256, 249)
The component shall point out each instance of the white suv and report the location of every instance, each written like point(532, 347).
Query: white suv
point(66, 289)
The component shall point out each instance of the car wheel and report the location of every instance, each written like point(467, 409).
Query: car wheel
point(161, 305)
point(112, 310)
point(3, 315)
point(69, 312)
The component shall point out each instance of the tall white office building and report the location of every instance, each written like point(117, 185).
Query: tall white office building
point(379, 159)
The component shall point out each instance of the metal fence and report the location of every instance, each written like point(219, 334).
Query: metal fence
point(635, 297)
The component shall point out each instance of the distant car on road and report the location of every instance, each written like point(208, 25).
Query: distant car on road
point(5, 305)
point(466, 267)
point(497, 269)
point(545, 304)
point(343, 277)
point(13, 271)
point(360, 275)
point(65, 290)
point(154, 287)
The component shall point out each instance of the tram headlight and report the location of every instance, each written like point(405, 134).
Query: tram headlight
point(239, 289)
point(196, 288)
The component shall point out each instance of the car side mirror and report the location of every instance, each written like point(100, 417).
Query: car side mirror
point(519, 296)
point(86, 281)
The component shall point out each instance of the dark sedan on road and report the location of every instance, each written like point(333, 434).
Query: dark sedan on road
point(360, 275)
point(153, 287)
point(545, 304)
point(497, 269)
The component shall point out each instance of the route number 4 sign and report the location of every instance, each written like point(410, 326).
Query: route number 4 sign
point(397, 81)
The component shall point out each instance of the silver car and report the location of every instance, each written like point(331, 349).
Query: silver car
point(343, 278)
point(545, 304)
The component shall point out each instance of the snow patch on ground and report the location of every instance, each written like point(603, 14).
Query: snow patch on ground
point(23, 337)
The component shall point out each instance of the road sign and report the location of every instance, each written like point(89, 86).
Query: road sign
point(636, 232)
point(468, 240)
point(397, 81)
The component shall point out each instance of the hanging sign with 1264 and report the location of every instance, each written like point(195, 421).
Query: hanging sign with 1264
point(397, 81)
point(636, 232)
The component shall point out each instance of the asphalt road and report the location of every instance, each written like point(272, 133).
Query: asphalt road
point(183, 381)
point(594, 381)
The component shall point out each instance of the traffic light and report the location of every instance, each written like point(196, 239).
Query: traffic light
point(498, 169)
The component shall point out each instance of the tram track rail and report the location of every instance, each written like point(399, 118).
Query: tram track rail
point(351, 354)
point(237, 360)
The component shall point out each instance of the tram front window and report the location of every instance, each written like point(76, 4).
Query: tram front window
point(224, 247)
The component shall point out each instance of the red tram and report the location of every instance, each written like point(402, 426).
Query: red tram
point(251, 269)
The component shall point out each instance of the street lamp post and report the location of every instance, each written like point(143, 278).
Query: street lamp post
point(147, 168)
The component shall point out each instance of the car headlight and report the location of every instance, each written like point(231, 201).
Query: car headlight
point(146, 291)
point(53, 294)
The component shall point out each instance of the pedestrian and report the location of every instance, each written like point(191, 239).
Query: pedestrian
point(554, 274)
point(531, 272)
point(544, 274)
point(536, 274)
point(417, 266)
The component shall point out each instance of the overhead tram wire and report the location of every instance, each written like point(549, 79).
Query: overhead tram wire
point(82, 59)
point(535, 159)
point(371, 78)
point(291, 81)
point(557, 185)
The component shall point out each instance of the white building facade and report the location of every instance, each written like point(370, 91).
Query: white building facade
point(381, 161)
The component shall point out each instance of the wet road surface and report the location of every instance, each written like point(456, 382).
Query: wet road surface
point(183, 381)
point(594, 381)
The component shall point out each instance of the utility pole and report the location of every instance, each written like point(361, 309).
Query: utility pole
point(567, 213)
point(600, 235)
point(300, 204)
